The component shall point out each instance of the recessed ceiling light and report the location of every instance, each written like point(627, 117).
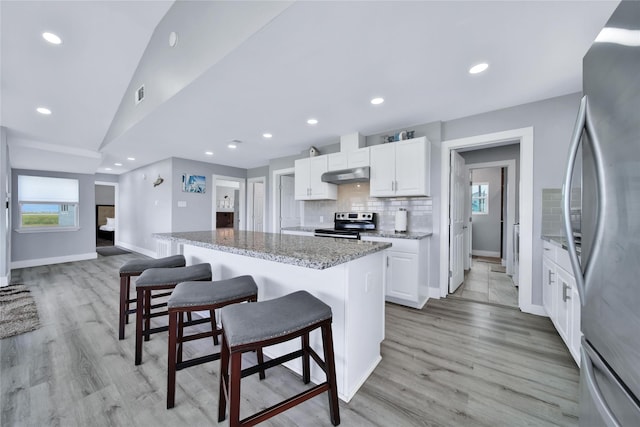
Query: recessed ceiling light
point(117, 164)
point(478, 68)
point(267, 135)
point(232, 145)
point(209, 153)
point(51, 38)
point(377, 101)
point(43, 110)
point(107, 169)
point(131, 158)
point(312, 121)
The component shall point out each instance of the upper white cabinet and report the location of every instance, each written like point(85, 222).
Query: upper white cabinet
point(349, 159)
point(400, 168)
point(308, 185)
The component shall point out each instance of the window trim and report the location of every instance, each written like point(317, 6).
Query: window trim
point(65, 199)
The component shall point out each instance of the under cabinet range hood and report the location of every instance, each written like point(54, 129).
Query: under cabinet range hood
point(347, 176)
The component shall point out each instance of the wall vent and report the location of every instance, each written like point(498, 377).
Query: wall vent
point(139, 95)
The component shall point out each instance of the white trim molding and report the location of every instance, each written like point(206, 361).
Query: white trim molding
point(478, 252)
point(53, 260)
point(525, 137)
point(5, 280)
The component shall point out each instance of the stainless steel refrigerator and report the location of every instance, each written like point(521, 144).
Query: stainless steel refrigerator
point(608, 269)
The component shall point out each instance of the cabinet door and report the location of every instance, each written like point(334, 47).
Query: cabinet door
point(301, 179)
point(383, 173)
point(337, 161)
point(411, 168)
point(402, 275)
point(563, 291)
point(318, 189)
point(548, 281)
point(358, 158)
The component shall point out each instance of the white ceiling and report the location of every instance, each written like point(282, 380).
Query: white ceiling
point(316, 59)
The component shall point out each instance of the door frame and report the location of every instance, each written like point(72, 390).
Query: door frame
point(116, 242)
point(511, 201)
point(525, 137)
point(242, 214)
point(275, 193)
point(250, 195)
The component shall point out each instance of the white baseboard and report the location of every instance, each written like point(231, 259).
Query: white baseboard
point(5, 280)
point(538, 310)
point(477, 252)
point(53, 260)
point(434, 293)
point(137, 249)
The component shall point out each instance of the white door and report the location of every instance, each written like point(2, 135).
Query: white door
point(289, 206)
point(258, 206)
point(468, 230)
point(456, 221)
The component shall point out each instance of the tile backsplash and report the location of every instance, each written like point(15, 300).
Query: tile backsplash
point(552, 210)
point(355, 198)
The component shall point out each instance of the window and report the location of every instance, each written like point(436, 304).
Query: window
point(47, 203)
point(479, 198)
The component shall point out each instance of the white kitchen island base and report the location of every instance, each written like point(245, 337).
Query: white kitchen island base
point(353, 290)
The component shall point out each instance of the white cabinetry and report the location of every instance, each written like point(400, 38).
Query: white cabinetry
point(308, 185)
point(407, 270)
point(400, 168)
point(560, 296)
point(350, 159)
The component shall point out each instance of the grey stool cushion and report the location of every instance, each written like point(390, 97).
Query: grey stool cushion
point(250, 323)
point(189, 294)
point(172, 276)
point(139, 265)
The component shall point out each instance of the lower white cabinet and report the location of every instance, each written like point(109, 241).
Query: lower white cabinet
point(407, 270)
point(560, 296)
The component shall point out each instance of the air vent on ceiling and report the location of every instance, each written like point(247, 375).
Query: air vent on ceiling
point(139, 94)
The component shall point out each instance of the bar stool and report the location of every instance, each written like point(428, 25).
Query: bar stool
point(248, 327)
point(188, 297)
point(133, 268)
point(153, 279)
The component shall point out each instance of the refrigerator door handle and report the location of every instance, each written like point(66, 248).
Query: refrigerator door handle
point(566, 197)
point(602, 407)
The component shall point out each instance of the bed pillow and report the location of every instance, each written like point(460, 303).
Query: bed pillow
point(111, 222)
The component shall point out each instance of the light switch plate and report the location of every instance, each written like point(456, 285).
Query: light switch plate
point(182, 204)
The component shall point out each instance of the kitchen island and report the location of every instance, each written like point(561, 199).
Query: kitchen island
point(347, 275)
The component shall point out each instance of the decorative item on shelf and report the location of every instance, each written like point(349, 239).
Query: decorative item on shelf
point(158, 181)
point(313, 151)
point(399, 136)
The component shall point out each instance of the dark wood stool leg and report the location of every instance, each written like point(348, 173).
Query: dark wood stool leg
point(224, 380)
point(180, 335)
point(139, 315)
point(147, 313)
point(234, 389)
point(171, 371)
point(214, 326)
point(306, 365)
point(124, 296)
point(126, 316)
point(260, 357)
point(329, 360)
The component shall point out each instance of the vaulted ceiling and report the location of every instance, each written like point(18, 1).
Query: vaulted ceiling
point(242, 69)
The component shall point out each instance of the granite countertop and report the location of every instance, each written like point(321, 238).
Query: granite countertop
point(416, 235)
point(302, 251)
point(559, 241)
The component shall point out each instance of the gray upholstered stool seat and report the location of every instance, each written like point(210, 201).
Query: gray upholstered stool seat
point(153, 279)
point(250, 327)
point(200, 296)
point(135, 267)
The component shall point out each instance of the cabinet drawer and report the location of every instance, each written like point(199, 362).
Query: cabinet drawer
point(562, 259)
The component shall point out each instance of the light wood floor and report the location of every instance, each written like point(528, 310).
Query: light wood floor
point(454, 363)
point(483, 284)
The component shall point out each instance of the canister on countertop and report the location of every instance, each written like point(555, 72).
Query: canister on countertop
point(401, 220)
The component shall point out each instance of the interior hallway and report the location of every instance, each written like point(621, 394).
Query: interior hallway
point(486, 281)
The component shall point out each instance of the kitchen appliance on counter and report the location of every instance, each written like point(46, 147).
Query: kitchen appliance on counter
point(607, 271)
point(348, 225)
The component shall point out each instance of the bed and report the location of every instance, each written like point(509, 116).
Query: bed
point(105, 222)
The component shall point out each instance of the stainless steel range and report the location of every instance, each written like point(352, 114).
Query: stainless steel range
point(348, 225)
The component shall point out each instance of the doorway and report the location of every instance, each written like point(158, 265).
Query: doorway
point(228, 200)
point(106, 195)
point(286, 209)
point(524, 137)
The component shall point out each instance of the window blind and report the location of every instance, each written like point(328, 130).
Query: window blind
point(46, 189)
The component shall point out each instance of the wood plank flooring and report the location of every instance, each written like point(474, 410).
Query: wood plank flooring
point(484, 285)
point(454, 363)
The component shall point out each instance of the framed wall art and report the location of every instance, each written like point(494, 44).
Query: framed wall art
point(193, 183)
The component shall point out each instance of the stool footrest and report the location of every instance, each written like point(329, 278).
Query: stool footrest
point(284, 405)
point(271, 363)
point(197, 361)
point(199, 336)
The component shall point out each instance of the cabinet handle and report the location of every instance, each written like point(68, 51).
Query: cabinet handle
point(565, 297)
point(550, 273)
